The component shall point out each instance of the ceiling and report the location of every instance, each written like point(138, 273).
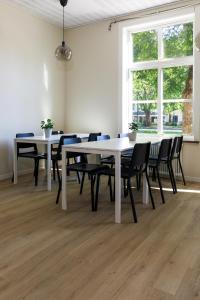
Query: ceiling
point(79, 12)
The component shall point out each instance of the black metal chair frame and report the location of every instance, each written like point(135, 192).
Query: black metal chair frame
point(176, 155)
point(162, 158)
point(136, 166)
point(34, 154)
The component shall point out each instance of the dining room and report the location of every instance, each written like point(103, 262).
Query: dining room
point(99, 149)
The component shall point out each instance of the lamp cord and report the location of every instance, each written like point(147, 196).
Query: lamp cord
point(63, 24)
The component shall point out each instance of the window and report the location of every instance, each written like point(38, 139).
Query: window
point(160, 76)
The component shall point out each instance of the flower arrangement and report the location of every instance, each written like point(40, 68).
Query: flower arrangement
point(47, 124)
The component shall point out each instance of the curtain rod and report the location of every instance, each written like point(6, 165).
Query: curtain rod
point(157, 10)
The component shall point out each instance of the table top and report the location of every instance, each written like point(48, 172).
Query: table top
point(52, 139)
point(116, 144)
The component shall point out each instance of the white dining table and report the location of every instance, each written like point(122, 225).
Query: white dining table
point(113, 147)
point(42, 140)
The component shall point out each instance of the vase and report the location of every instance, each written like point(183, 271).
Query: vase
point(47, 132)
point(132, 136)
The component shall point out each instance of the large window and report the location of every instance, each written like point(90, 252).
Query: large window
point(160, 68)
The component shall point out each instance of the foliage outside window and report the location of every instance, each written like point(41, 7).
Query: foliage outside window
point(161, 79)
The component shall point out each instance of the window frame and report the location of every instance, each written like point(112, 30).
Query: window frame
point(160, 64)
point(165, 18)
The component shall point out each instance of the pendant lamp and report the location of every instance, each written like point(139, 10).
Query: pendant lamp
point(63, 52)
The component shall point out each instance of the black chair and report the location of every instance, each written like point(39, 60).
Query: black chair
point(93, 136)
point(122, 135)
point(58, 156)
point(91, 168)
point(162, 158)
point(176, 155)
point(82, 167)
point(29, 150)
point(54, 132)
point(137, 165)
point(103, 137)
point(54, 147)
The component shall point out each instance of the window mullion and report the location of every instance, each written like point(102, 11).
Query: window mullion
point(160, 82)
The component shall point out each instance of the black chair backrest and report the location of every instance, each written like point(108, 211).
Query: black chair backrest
point(26, 145)
point(122, 135)
point(177, 146)
point(140, 157)
point(93, 136)
point(164, 150)
point(63, 140)
point(103, 137)
point(54, 132)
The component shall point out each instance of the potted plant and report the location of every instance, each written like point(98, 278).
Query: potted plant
point(134, 128)
point(47, 125)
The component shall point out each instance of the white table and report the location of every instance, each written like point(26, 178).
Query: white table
point(54, 139)
point(113, 147)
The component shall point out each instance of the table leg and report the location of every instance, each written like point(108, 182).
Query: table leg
point(49, 167)
point(64, 177)
point(15, 162)
point(145, 193)
point(118, 187)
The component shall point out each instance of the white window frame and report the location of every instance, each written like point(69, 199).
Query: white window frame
point(165, 19)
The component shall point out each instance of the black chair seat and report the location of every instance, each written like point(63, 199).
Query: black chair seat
point(33, 155)
point(125, 172)
point(108, 160)
point(86, 168)
point(127, 153)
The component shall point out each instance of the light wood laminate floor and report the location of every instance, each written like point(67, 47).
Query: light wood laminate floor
point(46, 253)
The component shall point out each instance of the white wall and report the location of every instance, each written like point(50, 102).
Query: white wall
point(92, 93)
point(32, 82)
point(92, 80)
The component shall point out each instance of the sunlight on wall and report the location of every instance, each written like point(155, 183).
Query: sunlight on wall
point(46, 78)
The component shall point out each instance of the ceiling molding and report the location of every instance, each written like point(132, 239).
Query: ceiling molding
point(79, 12)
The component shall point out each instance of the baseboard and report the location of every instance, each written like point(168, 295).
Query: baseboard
point(192, 179)
point(9, 175)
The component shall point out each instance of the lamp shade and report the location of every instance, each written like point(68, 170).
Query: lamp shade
point(63, 52)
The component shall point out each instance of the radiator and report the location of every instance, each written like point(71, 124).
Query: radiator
point(163, 168)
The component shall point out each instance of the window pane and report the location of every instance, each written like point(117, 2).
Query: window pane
point(145, 46)
point(178, 40)
point(178, 83)
point(177, 117)
point(145, 85)
point(146, 116)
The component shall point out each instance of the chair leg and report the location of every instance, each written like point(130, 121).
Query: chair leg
point(182, 171)
point(92, 192)
point(36, 171)
point(138, 181)
point(97, 192)
point(82, 182)
point(57, 169)
point(59, 190)
point(171, 177)
point(160, 185)
point(150, 192)
point(124, 184)
point(78, 176)
point(153, 175)
point(132, 201)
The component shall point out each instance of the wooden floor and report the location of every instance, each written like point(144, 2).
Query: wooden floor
point(46, 253)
